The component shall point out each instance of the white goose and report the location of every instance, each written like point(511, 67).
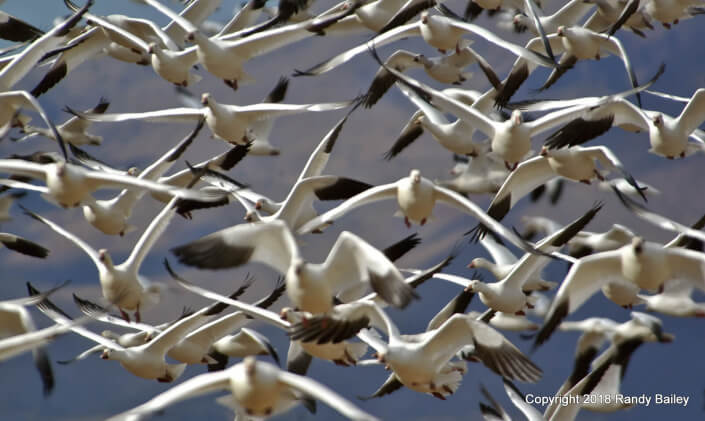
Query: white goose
point(68, 184)
point(146, 360)
point(440, 32)
point(455, 136)
point(575, 164)
point(121, 284)
point(445, 69)
point(675, 300)
point(18, 334)
point(314, 167)
point(668, 135)
point(422, 362)
point(508, 295)
point(311, 287)
point(510, 139)
point(73, 131)
point(227, 122)
point(25, 61)
point(641, 263)
point(300, 353)
point(416, 197)
point(224, 57)
point(259, 389)
point(504, 262)
point(484, 173)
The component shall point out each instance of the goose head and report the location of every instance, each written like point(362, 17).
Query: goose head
point(298, 266)
point(638, 245)
point(104, 257)
point(516, 118)
point(205, 99)
point(415, 176)
point(657, 119)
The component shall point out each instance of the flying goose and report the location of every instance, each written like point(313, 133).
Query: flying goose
point(575, 164)
point(258, 389)
point(422, 362)
point(146, 360)
point(73, 131)
point(507, 295)
point(310, 287)
point(440, 32)
point(640, 263)
point(25, 61)
point(231, 123)
point(416, 197)
point(121, 284)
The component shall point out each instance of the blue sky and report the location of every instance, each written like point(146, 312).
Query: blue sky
point(93, 389)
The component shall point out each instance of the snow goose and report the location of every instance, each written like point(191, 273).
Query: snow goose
point(127, 39)
point(230, 123)
point(569, 14)
point(640, 328)
point(422, 362)
point(668, 135)
point(669, 12)
point(675, 300)
point(297, 209)
point(214, 338)
point(110, 215)
point(350, 17)
point(309, 286)
point(68, 184)
point(300, 353)
point(286, 11)
point(416, 197)
point(25, 61)
point(127, 340)
point(575, 164)
point(660, 220)
point(315, 165)
point(482, 174)
point(73, 131)
point(444, 69)
point(610, 13)
point(224, 57)
point(108, 35)
point(10, 104)
point(259, 389)
point(224, 161)
point(440, 32)
point(343, 353)
point(455, 136)
point(18, 334)
point(510, 139)
point(504, 262)
point(578, 43)
point(146, 360)
point(121, 284)
point(508, 294)
point(641, 263)
point(196, 12)
point(260, 129)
